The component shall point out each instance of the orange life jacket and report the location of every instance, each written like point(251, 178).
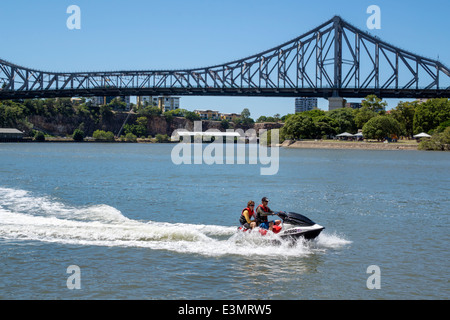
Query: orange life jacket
point(250, 214)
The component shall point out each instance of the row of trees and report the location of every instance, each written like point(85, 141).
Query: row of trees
point(406, 119)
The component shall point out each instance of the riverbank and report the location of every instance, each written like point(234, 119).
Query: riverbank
point(362, 145)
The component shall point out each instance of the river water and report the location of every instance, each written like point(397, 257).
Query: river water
point(138, 226)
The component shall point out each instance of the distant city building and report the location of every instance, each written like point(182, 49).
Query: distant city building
point(421, 100)
point(165, 103)
point(305, 104)
point(208, 114)
point(353, 105)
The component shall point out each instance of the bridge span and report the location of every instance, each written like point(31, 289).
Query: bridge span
point(335, 59)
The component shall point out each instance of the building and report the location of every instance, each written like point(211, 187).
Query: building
point(165, 103)
point(229, 116)
point(353, 105)
point(208, 114)
point(98, 101)
point(305, 104)
point(10, 134)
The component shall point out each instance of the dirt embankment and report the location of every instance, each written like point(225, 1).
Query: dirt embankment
point(362, 145)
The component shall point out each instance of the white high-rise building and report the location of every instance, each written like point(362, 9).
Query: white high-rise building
point(305, 104)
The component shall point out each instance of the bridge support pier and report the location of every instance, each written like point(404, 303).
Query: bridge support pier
point(335, 103)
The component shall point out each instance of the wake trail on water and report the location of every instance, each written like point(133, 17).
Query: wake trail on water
point(26, 217)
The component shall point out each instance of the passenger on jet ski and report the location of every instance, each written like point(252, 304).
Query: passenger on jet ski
point(261, 215)
point(247, 214)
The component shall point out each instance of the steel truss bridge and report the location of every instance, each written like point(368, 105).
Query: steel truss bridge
point(335, 59)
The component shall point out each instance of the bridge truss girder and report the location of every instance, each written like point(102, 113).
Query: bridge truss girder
point(334, 59)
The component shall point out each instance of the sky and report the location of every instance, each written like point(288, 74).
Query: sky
point(182, 34)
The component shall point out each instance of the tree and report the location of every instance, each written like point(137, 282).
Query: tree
point(344, 118)
point(373, 103)
point(139, 129)
point(325, 126)
point(381, 127)
point(39, 136)
point(149, 110)
point(404, 114)
point(192, 116)
point(161, 138)
point(262, 119)
point(363, 115)
point(78, 135)
point(430, 114)
point(101, 135)
point(225, 124)
point(130, 137)
point(439, 141)
point(245, 114)
point(298, 126)
point(276, 116)
point(314, 113)
point(106, 112)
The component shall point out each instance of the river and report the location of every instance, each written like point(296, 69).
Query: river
point(137, 226)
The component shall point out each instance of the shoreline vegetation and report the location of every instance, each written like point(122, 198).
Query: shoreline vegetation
point(303, 144)
point(77, 120)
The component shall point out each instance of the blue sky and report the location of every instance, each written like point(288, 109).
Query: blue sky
point(174, 34)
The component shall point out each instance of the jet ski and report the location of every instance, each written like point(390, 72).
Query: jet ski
point(293, 226)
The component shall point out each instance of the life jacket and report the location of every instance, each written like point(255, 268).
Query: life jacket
point(251, 213)
point(259, 218)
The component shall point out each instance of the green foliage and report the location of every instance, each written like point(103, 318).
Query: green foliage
point(117, 104)
point(298, 126)
point(136, 129)
point(130, 137)
point(149, 111)
point(39, 136)
point(11, 113)
point(381, 127)
point(245, 114)
point(430, 114)
point(101, 135)
point(344, 118)
point(275, 118)
point(363, 115)
point(225, 124)
point(78, 135)
point(404, 114)
point(192, 116)
point(285, 117)
point(314, 113)
point(325, 126)
point(373, 103)
point(161, 138)
point(444, 125)
point(440, 141)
